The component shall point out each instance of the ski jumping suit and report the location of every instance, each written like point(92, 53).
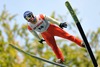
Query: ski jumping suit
point(48, 31)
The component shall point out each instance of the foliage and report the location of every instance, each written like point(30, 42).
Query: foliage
point(11, 32)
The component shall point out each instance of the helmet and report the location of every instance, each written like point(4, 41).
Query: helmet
point(28, 14)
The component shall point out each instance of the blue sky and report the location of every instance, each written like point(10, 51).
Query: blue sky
point(88, 10)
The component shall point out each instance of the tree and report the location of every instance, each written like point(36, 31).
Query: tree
point(11, 32)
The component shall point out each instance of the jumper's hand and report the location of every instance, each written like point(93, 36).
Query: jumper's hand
point(63, 25)
point(41, 41)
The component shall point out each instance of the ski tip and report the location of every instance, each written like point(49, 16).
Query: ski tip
point(9, 44)
point(66, 2)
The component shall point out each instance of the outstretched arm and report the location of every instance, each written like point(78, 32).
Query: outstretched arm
point(61, 25)
point(52, 20)
point(35, 34)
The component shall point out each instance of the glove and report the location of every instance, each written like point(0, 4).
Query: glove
point(63, 25)
point(41, 41)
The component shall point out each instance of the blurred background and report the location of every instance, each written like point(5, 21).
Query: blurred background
point(13, 30)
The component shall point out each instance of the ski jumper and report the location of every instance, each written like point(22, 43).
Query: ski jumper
point(48, 31)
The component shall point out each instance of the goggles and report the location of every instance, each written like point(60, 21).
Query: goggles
point(29, 16)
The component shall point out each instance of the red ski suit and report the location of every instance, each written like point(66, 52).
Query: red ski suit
point(52, 31)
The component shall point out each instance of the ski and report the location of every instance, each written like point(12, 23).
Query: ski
point(33, 56)
point(67, 4)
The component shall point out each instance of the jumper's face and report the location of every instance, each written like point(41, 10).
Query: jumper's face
point(31, 18)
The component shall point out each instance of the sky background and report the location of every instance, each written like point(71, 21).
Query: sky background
point(89, 10)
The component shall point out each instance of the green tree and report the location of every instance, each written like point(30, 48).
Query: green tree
point(11, 32)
